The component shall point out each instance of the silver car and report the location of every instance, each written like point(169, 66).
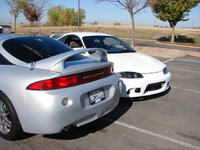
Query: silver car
point(45, 86)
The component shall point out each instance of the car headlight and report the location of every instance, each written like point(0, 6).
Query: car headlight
point(165, 70)
point(129, 75)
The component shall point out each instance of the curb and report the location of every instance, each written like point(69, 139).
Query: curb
point(166, 53)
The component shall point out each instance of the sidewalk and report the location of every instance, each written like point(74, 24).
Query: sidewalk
point(157, 49)
point(166, 52)
point(151, 43)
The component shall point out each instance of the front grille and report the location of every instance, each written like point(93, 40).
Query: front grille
point(154, 86)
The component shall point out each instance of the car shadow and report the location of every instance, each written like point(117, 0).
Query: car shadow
point(95, 126)
point(24, 136)
point(99, 125)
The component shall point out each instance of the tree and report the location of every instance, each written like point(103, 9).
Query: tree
point(173, 11)
point(68, 17)
point(81, 17)
point(40, 6)
point(60, 16)
point(31, 13)
point(133, 7)
point(16, 7)
point(34, 10)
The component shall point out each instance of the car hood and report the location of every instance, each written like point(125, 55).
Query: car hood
point(135, 62)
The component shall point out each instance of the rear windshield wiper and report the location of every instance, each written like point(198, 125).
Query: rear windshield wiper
point(32, 50)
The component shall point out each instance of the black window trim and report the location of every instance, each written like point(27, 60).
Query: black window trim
point(4, 61)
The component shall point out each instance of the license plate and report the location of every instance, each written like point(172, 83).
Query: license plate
point(96, 96)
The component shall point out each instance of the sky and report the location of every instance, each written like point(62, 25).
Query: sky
point(104, 13)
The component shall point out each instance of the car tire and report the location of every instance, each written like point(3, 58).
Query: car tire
point(10, 128)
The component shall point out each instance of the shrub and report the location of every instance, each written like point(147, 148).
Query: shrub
point(94, 23)
point(117, 24)
point(178, 38)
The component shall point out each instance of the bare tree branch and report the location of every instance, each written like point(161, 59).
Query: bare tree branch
point(132, 6)
point(34, 11)
point(15, 9)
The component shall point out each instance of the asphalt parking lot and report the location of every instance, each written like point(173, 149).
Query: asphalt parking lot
point(164, 122)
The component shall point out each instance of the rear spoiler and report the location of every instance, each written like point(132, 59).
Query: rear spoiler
point(56, 63)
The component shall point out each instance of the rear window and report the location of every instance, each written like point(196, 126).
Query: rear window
point(36, 48)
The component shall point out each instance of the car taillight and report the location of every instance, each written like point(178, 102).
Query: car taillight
point(71, 80)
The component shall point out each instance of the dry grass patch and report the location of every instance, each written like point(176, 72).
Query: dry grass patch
point(121, 31)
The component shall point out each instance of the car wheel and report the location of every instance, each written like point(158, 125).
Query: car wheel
point(10, 127)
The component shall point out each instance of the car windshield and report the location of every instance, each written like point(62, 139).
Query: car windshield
point(56, 35)
point(109, 43)
point(36, 48)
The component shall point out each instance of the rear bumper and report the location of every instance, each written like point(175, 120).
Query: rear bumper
point(44, 113)
point(151, 84)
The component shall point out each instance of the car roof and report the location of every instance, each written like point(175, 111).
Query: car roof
point(83, 34)
point(4, 25)
point(4, 37)
point(9, 36)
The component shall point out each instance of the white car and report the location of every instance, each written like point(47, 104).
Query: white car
point(141, 75)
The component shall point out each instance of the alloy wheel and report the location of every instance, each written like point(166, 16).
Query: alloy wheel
point(5, 122)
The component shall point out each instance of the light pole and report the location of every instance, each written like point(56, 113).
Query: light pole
point(78, 16)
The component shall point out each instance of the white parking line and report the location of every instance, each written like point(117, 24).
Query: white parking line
point(168, 60)
point(194, 91)
point(184, 69)
point(154, 134)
